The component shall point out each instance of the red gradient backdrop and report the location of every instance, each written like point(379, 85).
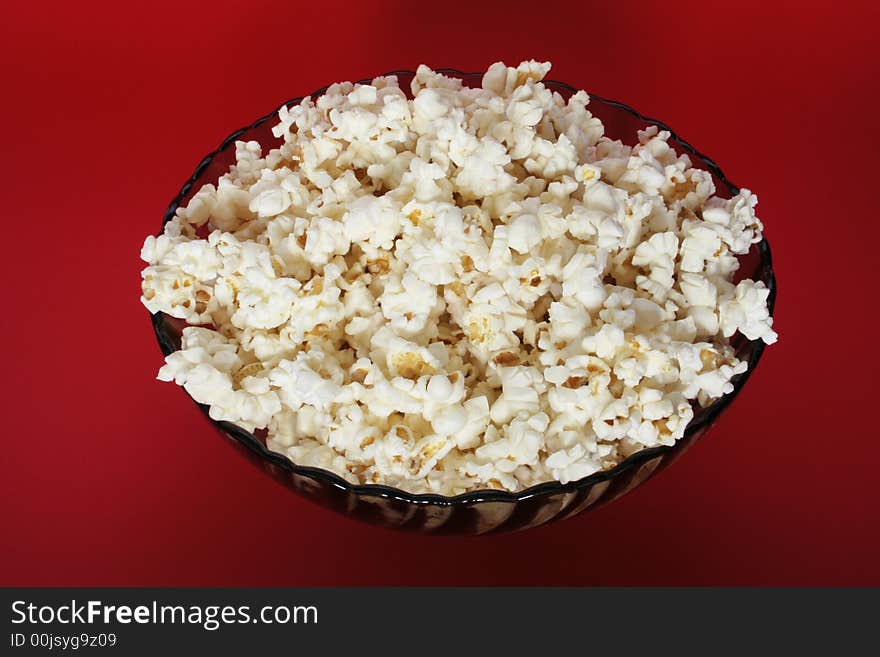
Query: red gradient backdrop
point(109, 477)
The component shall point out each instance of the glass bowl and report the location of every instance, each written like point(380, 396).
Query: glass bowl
point(481, 511)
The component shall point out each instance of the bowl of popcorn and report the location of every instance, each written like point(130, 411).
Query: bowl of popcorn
point(460, 303)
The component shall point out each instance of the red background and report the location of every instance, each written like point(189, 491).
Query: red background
point(109, 477)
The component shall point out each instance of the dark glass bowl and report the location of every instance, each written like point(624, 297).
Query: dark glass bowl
point(487, 510)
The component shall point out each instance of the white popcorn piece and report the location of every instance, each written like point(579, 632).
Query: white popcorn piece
point(572, 464)
point(450, 420)
point(657, 254)
point(298, 383)
point(373, 220)
point(568, 320)
point(747, 313)
point(409, 304)
point(447, 289)
point(582, 278)
point(524, 233)
point(207, 366)
point(699, 246)
point(521, 388)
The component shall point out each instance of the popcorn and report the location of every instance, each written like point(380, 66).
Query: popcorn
point(457, 289)
point(699, 246)
point(747, 313)
point(582, 278)
point(325, 238)
point(657, 254)
point(491, 320)
point(409, 303)
point(169, 290)
point(522, 440)
point(572, 464)
point(298, 383)
point(698, 290)
point(371, 220)
point(209, 368)
point(450, 420)
point(481, 171)
point(524, 233)
point(263, 301)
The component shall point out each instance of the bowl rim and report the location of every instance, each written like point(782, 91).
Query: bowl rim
point(637, 459)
